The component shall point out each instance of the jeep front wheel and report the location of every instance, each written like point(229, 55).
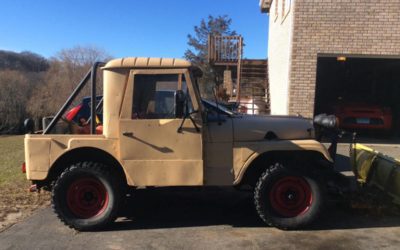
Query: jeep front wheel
point(287, 199)
point(86, 196)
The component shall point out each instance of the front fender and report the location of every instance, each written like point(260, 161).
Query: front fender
point(245, 153)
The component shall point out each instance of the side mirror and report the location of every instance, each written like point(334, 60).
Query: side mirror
point(180, 99)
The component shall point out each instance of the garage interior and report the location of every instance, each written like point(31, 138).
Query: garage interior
point(367, 81)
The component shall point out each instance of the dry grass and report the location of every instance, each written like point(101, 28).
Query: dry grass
point(11, 158)
point(15, 200)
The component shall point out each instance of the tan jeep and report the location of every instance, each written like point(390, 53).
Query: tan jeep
point(158, 132)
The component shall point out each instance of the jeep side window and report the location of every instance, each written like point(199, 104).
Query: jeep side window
point(154, 96)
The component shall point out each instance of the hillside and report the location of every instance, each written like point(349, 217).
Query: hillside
point(24, 61)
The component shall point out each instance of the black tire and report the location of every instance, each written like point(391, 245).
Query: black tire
point(86, 196)
point(288, 199)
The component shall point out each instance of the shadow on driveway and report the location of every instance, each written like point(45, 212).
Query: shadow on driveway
point(192, 207)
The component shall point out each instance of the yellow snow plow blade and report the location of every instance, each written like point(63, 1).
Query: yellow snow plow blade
point(376, 169)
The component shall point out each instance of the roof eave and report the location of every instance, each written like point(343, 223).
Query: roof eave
point(147, 62)
point(265, 5)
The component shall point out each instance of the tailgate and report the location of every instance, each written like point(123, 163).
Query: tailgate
point(37, 157)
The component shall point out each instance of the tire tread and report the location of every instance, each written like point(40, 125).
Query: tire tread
point(261, 208)
point(96, 168)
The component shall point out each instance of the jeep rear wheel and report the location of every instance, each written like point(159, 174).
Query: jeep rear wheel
point(287, 199)
point(86, 196)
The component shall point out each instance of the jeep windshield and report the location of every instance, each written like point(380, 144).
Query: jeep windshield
point(196, 75)
point(208, 104)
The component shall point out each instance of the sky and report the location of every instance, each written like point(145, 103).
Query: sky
point(149, 28)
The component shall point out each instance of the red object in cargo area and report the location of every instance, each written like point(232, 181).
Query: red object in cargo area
point(73, 112)
point(363, 116)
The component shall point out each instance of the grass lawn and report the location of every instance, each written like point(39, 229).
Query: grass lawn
point(15, 200)
point(11, 159)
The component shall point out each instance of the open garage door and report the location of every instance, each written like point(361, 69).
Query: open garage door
point(363, 92)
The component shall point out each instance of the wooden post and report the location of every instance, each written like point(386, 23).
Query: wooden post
point(239, 69)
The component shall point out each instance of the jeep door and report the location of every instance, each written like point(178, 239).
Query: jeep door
point(152, 150)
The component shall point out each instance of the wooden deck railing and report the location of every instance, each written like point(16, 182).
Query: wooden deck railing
point(225, 50)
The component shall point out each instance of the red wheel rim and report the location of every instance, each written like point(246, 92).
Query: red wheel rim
point(87, 198)
point(291, 196)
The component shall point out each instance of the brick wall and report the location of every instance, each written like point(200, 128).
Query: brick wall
point(335, 27)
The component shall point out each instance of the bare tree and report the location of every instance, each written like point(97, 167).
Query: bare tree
point(15, 91)
point(75, 62)
point(66, 70)
point(32, 86)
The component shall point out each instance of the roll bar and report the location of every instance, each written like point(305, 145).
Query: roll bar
point(91, 74)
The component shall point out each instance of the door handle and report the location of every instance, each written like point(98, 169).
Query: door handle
point(129, 134)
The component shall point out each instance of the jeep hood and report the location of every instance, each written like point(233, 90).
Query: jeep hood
point(256, 128)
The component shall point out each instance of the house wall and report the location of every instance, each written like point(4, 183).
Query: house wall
point(279, 55)
point(354, 28)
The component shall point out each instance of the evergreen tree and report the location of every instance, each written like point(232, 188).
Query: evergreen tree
point(198, 47)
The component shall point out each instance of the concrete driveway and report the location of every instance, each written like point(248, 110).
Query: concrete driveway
point(206, 219)
point(212, 218)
